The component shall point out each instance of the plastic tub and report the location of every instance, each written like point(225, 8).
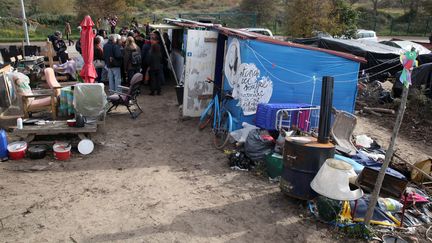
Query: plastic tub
point(17, 150)
point(62, 150)
point(274, 164)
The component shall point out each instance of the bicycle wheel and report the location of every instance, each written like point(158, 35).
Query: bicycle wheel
point(222, 132)
point(206, 116)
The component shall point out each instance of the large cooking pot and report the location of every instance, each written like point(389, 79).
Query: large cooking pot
point(37, 151)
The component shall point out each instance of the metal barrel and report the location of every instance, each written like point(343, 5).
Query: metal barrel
point(301, 163)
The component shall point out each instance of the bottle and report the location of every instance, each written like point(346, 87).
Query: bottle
point(389, 204)
point(20, 123)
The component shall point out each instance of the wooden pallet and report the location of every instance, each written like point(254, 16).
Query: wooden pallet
point(29, 132)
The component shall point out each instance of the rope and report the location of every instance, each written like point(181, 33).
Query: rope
point(375, 74)
point(280, 80)
point(257, 55)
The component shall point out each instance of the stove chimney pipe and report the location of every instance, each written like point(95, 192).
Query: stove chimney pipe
point(325, 109)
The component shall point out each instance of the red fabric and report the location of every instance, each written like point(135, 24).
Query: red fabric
point(88, 72)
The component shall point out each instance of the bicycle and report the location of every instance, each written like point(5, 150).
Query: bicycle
point(222, 119)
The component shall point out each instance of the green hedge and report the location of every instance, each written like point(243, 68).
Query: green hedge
point(49, 19)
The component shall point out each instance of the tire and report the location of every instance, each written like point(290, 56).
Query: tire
point(222, 133)
point(206, 116)
point(205, 119)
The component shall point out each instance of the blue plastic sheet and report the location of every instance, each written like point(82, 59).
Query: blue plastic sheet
point(296, 76)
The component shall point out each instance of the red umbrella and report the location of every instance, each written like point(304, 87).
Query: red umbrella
point(88, 72)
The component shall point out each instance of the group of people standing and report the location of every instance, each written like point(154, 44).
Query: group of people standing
point(107, 23)
point(127, 53)
point(120, 56)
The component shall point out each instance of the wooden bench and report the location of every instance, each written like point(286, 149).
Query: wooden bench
point(29, 132)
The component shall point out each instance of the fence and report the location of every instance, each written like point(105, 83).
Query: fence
point(418, 26)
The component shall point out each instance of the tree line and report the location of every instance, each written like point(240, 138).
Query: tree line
point(303, 18)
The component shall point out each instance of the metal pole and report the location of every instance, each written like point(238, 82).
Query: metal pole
point(325, 109)
point(25, 23)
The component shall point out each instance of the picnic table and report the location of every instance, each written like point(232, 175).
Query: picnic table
point(29, 132)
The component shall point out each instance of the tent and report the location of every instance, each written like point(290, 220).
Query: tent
point(380, 58)
point(271, 71)
point(406, 45)
point(421, 76)
point(259, 69)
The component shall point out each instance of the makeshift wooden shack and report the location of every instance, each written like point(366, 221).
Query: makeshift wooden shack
point(259, 69)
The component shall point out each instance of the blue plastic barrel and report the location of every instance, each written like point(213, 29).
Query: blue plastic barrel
point(3, 144)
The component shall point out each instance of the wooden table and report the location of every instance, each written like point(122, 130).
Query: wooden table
point(29, 132)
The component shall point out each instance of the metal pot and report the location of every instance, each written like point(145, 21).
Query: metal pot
point(37, 151)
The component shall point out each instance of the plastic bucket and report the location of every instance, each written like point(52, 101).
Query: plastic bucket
point(274, 164)
point(179, 93)
point(17, 150)
point(62, 150)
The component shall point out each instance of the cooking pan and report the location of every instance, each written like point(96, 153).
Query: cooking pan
point(37, 151)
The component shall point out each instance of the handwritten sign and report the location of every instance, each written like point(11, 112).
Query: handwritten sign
point(251, 89)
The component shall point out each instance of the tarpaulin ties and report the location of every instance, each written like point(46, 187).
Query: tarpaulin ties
point(314, 78)
point(274, 65)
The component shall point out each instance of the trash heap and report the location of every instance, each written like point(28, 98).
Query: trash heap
point(329, 170)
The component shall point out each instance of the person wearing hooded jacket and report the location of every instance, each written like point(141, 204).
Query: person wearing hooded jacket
point(113, 61)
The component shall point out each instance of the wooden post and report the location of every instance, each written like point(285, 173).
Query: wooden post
point(50, 54)
point(389, 154)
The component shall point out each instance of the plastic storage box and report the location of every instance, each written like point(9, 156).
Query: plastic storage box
point(266, 113)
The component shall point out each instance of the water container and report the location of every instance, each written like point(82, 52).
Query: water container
point(3, 144)
point(20, 123)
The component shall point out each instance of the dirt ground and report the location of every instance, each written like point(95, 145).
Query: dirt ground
point(158, 179)
point(153, 179)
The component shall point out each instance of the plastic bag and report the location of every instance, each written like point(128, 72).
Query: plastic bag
point(90, 99)
point(257, 144)
point(240, 135)
point(363, 141)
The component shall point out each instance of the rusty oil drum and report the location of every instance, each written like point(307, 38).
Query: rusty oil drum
point(302, 162)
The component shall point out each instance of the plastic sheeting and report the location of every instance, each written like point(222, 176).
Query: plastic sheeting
point(270, 73)
point(421, 75)
point(90, 99)
point(380, 58)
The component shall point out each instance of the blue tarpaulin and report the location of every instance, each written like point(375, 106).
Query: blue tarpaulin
point(273, 73)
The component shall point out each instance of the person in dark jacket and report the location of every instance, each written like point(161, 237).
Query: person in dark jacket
point(113, 61)
point(99, 60)
point(131, 58)
point(59, 46)
point(144, 52)
point(155, 66)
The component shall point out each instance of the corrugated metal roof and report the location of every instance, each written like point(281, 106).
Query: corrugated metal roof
point(243, 34)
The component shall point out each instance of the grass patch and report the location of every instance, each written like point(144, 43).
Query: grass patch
point(16, 33)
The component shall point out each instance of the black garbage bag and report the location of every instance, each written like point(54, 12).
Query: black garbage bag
point(239, 161)
point(258, 144)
